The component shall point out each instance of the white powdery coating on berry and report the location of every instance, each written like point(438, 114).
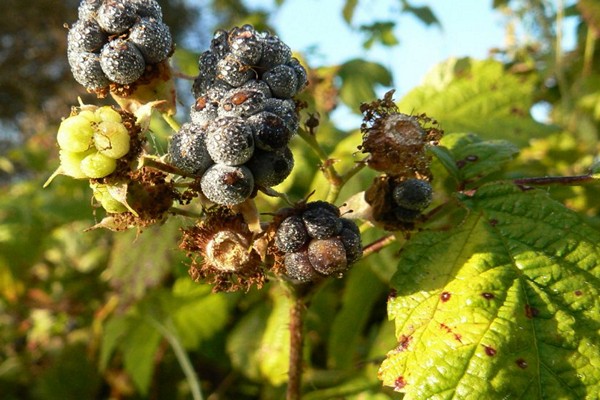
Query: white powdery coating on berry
point(87, 9)
point(245, 44)
point(147, 8)
point(87, 70)
point(270, 168)
point(122, 62)
point(233, 71)
point(413, 194)
point(152, 38)
point(188, 150)
point(327, 256)
point(282, 80)
point(227, 251)
point(116, 16)
point(274, 52)
point(85, 36)
point(291, 235)
point(298, 267)
point(230, 142)
point(240, 102)
point(227, 185)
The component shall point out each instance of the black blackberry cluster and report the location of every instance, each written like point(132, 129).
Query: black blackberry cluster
point(410, 198)
point(243, 117)
point(317, 242)
point(113, 41)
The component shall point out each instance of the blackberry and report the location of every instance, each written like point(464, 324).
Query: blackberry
point(230, 142)
point(319, 204)
point(86, 36)
point(207, 66)
point(233, 71)
point(274, 52)
point(227, 185)
point(284, 109)
point(413, 194)
point(152, 38)
point(245, 45)
point(270, 131)
point(188, 150)
point(241, 103)
point(270, 168)
point(301, 76)
point(321, 223)
point(298, 267)
point(116, 16)
point(406, 215)
point(147, 9)
point(327, 256)
point(291, 235)
point(121, 61)
point(87, 70)
point(219, 44)
point(87, 9)
point(258, 85)
point(282, 81)
point(202, 113)
point(352, 243)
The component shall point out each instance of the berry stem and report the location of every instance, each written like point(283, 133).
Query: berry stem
point(296, 338)
point(171, 122)
point(327, 164)
point(378, 245)
point(155, 164)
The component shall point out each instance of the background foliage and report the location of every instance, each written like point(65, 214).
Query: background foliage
point(104, 315)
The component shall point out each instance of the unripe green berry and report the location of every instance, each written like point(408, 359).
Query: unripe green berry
point(75, 134)
point(109, 203)
point(71, 163)
point(97, 165)
point(106, 113)
point(112, 139)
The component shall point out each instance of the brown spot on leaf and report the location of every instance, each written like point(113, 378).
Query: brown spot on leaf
point(531, 312)
point(578, 293)
point(445, 296)
point(487, 295)
point(460, 163)
point(403, 342)
point(521, 363)
point(399, 383)
point(458, 338)
point(393, 294)
point(445, 327)
point(493, 222)
point(489, 350)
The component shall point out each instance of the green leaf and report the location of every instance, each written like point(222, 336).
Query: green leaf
point(139, 351)
point(505, 303)
point(380, 32)
point(479, 97)
point(424, 14)
point(363, 288)
point(114, 331)
point(475, 158)
point(348, 10)
point(359, 78)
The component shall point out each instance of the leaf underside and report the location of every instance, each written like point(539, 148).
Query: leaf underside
point(506, 304)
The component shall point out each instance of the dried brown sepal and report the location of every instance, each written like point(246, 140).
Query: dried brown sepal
point(221, 251)
point(398, 142)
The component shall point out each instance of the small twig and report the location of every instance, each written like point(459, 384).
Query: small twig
point(171, 122)
point(296, 338)
point(378, 245)
point(558, 180)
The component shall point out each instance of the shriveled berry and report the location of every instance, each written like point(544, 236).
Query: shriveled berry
point(298, 267)
point(320, 223)
point(413, 194)
point(233, 71)
point(87, 70)
point(291, 235)
point(227, 185)
point(121, 61)
point(270, 168)
point(86, 36)
point(97, 165)
point(245, 44)
point(188, 150)
point(116, 16)
point(230, 142)
point(270, 131)
point(327, 256)
point(152, 38)
point(282, 81)
point(241, 103)
point(274, 52)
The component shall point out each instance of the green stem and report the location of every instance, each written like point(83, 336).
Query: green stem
point(588, 55)
point(171, 122)
point(169, 332)
point(296, 338)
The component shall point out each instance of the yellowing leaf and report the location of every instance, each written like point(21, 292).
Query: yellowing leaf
point(506, 303)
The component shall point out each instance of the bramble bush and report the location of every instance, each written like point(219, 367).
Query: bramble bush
point(243, 246)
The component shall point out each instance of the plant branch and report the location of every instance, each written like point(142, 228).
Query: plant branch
point(327, 164)
point(296, 338)
point(378, 245)
point(558, 180)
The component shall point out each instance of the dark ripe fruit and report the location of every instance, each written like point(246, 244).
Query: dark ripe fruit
point(227, 185)
point(413, 194)
point(291, 235)
point(282, 81)
point(202, 113)
point(298, 267)
point(116, 16)
point(270, 131)
point(230, 141)
point(219, 44)
point(87, 70)
point(405, 215)
point(87, 9)
point(188, 150)
point(258, 85)
point(122, 62)
point(207, 71)
point(245, 45)
point(321, 223)
point(284, 109)
point(323, 205)
point(270, 168)
point(241, 103)
point(152, 38)
point(86, 36)
point(327, 256)
point(350, 225)
point(274, 52)
point(302, 77)
point(352, 244)
point(233, 71)
point(147, 9)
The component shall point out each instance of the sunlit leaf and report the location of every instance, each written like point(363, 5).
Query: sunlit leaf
point(348, 10)
point(359, 79)
point(506, 303)
point(423, 13)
